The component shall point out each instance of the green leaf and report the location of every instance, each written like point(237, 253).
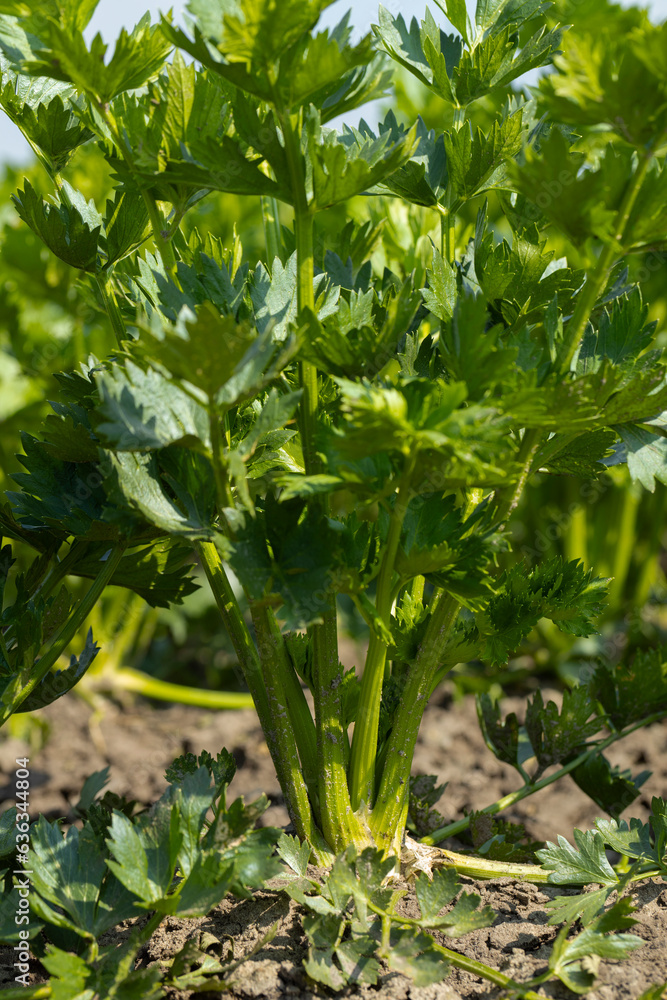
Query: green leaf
point(438, 544)
point(258, 33)
point(502, 738)
point(160, 572)
point(313, 69)
point(222, 768)
point(465, 916)
point(347, 164)
point(457, 14)
point(557, 736)
point(357, 961)
point(298, 570)
point(475, 160)
point(138, 55)
point(65, 495)
point(563, 592)
point(583, 457)
point(568, 865)
point(307, 486)
point(587, 88)
point(144, 853)
point(55, 685)
point(253, 859)
point(609, 787)
point(320, 967)
point(496, 61)
point(224, 358)
point(193, 798)
point(70, 227)
point(654, 992)
point(10, 933)
point(294, 853)
point(423, 179)
point(125, 225)
point(8, 832)
point(470, 351)
point(219, 165)
point(135, 485)
point(443, 54)
point(44, 110)
point(646, 455)
point(423, 819)
point(567, 909)
point(594, 940)
point(441, 294)
point(361, 336)
point(633, 840)
point(413, 953)
point(436, 893)
point(274, 298)
point(68, 873)
point(208, 881)
point(582, 203)
point(69, 973)
point(495, 14)
point(142, 411)
point(521, 280)
point(622, 334)
point(641, 399)
point(433, 894)
point(402, 44)
point(90, 790)
point(631, 690)
point(68, 436)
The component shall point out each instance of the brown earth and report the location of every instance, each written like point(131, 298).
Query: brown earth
point(139, 741)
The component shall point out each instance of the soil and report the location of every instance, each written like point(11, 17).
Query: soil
point(138, 741)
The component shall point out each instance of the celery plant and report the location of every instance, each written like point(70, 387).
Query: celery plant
point(315, 424)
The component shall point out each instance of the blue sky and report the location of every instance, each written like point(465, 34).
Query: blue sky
point(112, 15)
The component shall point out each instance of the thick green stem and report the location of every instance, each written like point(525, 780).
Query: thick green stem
point(476, 867)
point(236, 628)
point(267, 693)
point(452, 829)
point(303, 225)
point(272, 232)
point(67, 632)
point(222, 486)
point(299, 713)
point(273, 662)
point(392, 794)
point(364, 741)
point(341, 827)
point(138, 682)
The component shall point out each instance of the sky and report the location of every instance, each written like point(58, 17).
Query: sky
point(112, 15)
